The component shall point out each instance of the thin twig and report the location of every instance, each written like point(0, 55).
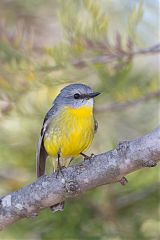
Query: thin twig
point(120, 106)
point(109, 57)
point(131, 198)
point(116, 55)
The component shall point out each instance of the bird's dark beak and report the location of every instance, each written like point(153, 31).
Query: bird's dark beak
point(92, 95)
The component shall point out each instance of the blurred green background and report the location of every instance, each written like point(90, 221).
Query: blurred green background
point(45, 45)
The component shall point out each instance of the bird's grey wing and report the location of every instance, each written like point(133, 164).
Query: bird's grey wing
point(95, 125)
point(41, 154)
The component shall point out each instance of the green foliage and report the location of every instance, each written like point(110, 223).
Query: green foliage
point(36, 64)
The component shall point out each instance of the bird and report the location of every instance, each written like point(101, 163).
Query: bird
point(67, 130)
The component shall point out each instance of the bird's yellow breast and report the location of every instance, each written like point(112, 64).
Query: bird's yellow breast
point(70, 132)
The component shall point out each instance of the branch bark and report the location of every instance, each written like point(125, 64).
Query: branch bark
point(105, 168)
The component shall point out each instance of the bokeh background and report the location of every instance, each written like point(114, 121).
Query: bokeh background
point(45, 45)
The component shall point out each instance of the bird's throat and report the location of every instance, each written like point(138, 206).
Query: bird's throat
point(84, 111)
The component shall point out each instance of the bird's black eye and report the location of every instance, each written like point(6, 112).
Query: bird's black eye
point(77, 96)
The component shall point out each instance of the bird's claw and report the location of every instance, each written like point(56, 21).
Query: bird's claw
point(87, 157)
point(59, 171)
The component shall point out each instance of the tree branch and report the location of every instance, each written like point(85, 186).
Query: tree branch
point(104, 168)
point(112, 54)
point(116, 55)
point(120, 106)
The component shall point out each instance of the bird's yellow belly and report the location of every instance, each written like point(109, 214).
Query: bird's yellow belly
point(70, 133)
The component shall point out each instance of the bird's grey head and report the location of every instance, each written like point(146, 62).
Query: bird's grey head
point(76, 96)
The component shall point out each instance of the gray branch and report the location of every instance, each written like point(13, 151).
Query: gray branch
point(105, 168)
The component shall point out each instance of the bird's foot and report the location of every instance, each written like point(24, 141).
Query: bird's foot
point(123, 181)
point(59, 171)
point(87, 157)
